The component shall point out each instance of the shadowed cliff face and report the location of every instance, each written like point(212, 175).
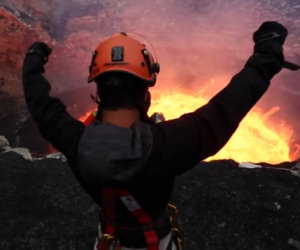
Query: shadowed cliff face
point(195, 41)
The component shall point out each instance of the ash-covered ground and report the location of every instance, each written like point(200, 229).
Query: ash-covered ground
point(222, 207)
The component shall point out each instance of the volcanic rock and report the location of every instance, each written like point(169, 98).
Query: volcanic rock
point(5, 148)
point(4, 144)
point(14, 38)
point(220, 206)
point(39, 203)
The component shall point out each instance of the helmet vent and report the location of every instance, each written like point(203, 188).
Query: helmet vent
point(117, 53)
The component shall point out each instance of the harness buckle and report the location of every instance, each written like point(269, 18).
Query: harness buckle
point(108, 242)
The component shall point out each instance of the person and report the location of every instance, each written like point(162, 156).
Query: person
point(127, 163)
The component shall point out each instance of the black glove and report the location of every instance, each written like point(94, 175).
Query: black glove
point(268, 51)
point(269, 38)
point(41, 49)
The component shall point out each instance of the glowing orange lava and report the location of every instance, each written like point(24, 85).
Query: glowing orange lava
point(88, 117)
point(256, 139)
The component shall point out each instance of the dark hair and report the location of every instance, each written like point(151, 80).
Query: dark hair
point(121, 90)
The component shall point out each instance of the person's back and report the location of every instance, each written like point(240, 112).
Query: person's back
point(120, 141)
point(126, 162)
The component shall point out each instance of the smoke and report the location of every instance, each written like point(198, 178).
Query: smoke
point(199, 44)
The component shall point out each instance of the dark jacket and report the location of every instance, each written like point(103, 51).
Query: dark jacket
point(147, 157)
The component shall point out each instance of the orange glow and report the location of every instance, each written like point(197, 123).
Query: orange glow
point(87, 117)
point(295, 152)
point(256, 139)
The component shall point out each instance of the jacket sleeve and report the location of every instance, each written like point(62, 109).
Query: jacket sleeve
point(54, 122)
point(181, 143)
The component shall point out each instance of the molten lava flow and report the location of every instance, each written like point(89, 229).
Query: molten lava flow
point(88, 117)
point(256, 139)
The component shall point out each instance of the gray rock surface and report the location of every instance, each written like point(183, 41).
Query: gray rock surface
point(5, 148)
point(4, 144)
point(221, 207)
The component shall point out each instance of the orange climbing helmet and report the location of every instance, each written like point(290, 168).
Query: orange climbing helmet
point(122, 53)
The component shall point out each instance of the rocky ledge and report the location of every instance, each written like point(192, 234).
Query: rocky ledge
point(222, 206)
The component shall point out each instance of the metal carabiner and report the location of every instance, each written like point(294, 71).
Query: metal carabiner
point(173, 213)
point(177, 238)
point(108, 242)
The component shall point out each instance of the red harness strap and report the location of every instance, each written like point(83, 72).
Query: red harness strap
point(109, 197)
point(92, 117)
